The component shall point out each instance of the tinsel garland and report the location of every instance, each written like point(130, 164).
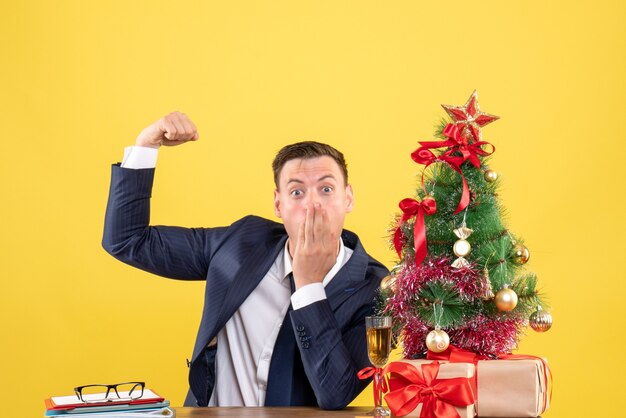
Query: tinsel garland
point(486, 335)
point(412, 278)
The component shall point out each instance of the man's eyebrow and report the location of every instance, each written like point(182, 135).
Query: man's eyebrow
point(327, 176)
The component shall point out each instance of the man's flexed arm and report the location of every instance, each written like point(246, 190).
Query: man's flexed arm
point(181, 253)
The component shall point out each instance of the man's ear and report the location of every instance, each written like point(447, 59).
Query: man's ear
point(277, 203)
point(349, 198)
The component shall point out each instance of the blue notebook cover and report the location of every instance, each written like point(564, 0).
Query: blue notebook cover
point(159, 409)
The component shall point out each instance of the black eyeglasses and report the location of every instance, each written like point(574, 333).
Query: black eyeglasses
point(110, 393)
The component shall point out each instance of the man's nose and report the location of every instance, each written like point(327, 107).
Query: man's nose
point(312, 198)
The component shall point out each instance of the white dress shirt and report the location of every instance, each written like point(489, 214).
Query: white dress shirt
point(246, 343)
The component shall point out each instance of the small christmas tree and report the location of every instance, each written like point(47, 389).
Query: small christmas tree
point(461, 278)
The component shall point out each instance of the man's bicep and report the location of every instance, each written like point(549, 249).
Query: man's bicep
point(174, 252)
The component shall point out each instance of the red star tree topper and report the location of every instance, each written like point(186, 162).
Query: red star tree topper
point(469, 119)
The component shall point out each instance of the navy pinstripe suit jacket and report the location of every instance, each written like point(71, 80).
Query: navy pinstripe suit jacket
point(328, 336)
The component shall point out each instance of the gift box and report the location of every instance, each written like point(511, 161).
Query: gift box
point(430, 387)
point(517, 387)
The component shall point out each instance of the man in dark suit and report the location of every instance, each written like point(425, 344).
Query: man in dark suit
point(307, 274)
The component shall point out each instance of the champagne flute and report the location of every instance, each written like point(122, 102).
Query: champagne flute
point(378, 331)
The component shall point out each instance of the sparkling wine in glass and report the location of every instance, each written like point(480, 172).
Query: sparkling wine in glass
point(378, 331)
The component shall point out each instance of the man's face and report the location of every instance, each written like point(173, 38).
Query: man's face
point(303, 182)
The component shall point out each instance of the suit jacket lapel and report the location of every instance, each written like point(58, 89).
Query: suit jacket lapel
point(247, 278)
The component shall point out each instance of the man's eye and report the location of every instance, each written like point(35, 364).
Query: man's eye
point(296, 193)
point(327, 189)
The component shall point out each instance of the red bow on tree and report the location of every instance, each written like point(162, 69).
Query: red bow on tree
point(456, 143)
point(411, 208)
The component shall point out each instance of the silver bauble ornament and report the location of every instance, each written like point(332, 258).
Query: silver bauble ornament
point(540, 320)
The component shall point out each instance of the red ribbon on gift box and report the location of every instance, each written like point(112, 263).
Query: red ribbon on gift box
point(409, 386)
point(455, 355)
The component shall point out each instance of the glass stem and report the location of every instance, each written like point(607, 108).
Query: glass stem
point(379, 387)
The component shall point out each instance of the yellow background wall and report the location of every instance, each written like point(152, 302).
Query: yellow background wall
point(81, 79)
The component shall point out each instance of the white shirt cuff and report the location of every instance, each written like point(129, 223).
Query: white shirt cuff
point(307, 295)
point(140, 157)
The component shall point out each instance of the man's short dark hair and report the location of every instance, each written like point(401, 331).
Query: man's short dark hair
point(306, 150)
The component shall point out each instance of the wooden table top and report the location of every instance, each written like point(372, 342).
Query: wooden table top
point(270, 412)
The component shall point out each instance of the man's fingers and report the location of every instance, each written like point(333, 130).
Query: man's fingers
point(194, 129)
point(179, 134)
point(172, 143)
point(168, 128)
point(301, 235)
point(309, 236)
point(326, 236)
point(178, 127)
point(189, 128)
point(316, 250)
point(321, 228)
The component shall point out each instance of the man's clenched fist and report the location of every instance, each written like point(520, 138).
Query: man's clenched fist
point(173, 129)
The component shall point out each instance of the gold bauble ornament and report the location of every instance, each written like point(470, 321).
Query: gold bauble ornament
point(506, 299)
point(490, 176)
point(389, 283)
point(521, 255)
point(540, 320)
point(437, 340)
point(461, 248)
